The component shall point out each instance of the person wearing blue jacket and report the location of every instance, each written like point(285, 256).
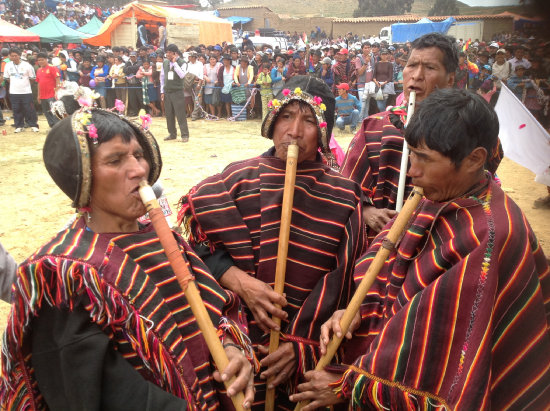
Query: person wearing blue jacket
point(99, 74)
point(278, 76)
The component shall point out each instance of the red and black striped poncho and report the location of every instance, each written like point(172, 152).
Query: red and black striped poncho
point(459, 316)
point(133, 296)
point(239, 210)
point(373, 161)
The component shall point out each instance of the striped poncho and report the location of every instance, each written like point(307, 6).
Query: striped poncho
point(239, 211)
point(128, 288)
point(459, 316)
point(373, 160)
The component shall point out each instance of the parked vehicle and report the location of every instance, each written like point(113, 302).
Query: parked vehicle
point(260, 41)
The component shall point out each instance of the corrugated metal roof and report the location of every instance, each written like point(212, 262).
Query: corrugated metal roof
point(245, 7)
point(409, 18)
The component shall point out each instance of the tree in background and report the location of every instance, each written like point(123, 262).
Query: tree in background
point(444, 8)
point(372, 8)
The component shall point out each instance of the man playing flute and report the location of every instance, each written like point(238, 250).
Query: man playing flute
point(458, 316)
point(374, 155)
point(233, 219)
point(98, 319)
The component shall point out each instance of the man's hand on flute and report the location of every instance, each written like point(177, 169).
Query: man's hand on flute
point(239, 367)
point(257, 295)
point(317, 390)
point(280, 365)
point(332, 326)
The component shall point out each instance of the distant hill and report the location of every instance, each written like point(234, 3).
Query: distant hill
point(344, 8)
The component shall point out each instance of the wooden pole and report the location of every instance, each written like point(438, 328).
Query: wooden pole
point(185, 280)
point(282, 253)
point(405, 156)
point(376, 265)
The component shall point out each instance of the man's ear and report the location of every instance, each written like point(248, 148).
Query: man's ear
point(450, 80)
point(476, 160)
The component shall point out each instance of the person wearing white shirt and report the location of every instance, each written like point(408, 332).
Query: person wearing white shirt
point(518, 59)
point(194, 66)
point(19, 74)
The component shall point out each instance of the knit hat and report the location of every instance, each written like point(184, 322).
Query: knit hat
point(68, 152)
point(316, 94)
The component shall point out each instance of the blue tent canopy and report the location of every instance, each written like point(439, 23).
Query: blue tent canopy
point(237, 19)
point(403, 32)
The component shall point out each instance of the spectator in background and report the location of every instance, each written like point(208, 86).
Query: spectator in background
point(519, 58)
point(296, 66)
point(315, 66)
point(326, 72)
point(196, 67)
point(20, 73)
point(383, 78)
point(118, 78)
point(99, 75)
point(364, 65)
point(211, 92)
point(348, 108)
point(171, 92)
point(84, 72)
point(461, 76)
point(225, 81)
point(519, 81)
point(343, 71)
point(278, 76)
point(135, 92)
point(71, 23)
point(266, 92)
point(145, 74)
point(162, 35)
point(244, 77)
point(47, 78)
point(143, 35)
point(502, 69)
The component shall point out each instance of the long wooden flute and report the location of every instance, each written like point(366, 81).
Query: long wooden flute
point(185, 280)
point(376, 265)
point(405, 155)
point(282, 253)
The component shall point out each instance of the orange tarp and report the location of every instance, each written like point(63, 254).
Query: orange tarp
point(212, 29)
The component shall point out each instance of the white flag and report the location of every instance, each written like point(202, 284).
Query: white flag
point(523, 139)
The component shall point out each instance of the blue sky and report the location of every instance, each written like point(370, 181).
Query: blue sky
point(490, 2)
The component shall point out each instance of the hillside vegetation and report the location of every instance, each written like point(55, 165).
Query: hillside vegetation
point(344, 8)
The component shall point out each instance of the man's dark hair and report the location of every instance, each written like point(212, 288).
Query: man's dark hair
point(173, 48)
point(15, 50)
point(444, 43)
point(42, 55)
point(116, 49)
point(454, 122)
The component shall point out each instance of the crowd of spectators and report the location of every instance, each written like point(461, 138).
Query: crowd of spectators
point(29, 13)
point(226, 76)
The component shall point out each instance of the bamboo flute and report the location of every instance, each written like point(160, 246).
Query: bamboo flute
point(185, 280)
point(282, 252)
point(376, 265)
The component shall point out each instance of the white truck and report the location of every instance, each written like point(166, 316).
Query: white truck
point(403, 32)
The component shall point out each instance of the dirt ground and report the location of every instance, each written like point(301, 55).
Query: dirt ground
point(33, 209)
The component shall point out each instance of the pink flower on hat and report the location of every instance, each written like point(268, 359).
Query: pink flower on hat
point(119, 106)
point(318, 100)
point(286, 92)
point(323, 124)
point(92, 133)
point(146, 121)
